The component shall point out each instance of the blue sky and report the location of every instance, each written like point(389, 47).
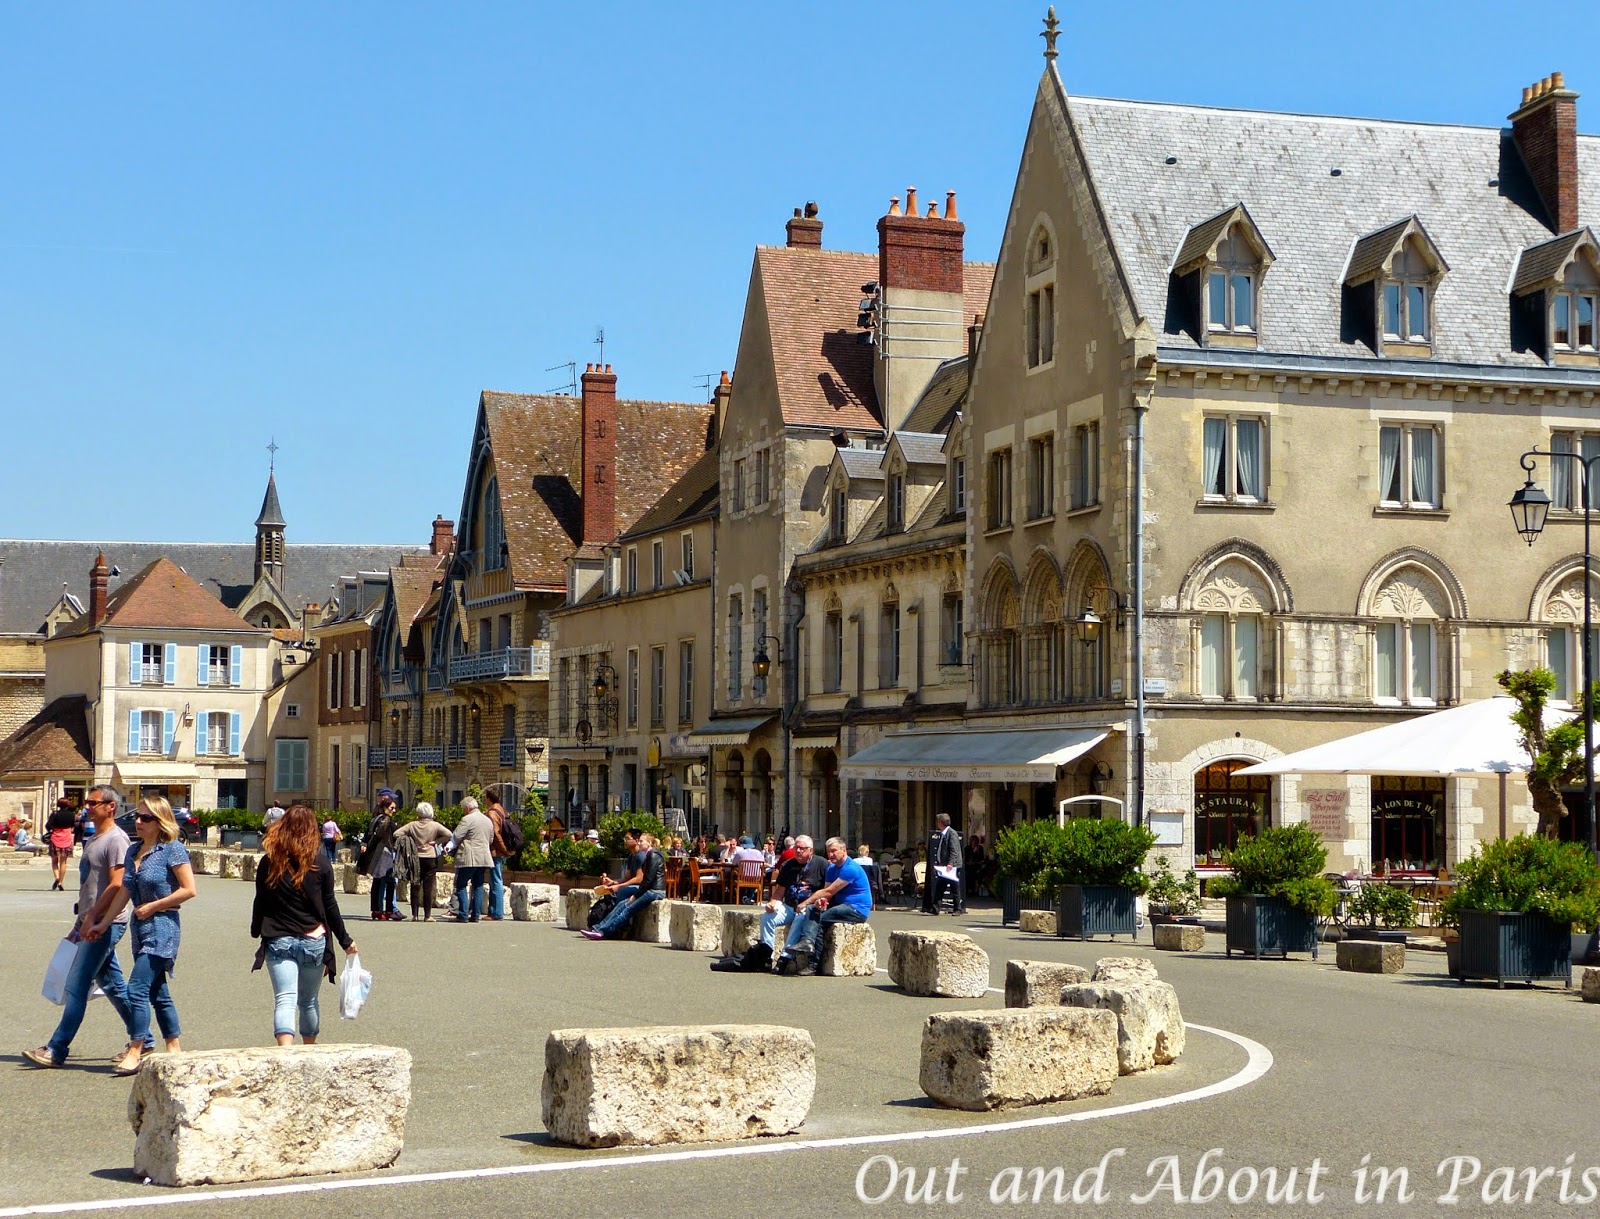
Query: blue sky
point(336, 224)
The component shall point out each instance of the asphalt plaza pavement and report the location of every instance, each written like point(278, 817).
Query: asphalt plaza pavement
point(1407, 1070)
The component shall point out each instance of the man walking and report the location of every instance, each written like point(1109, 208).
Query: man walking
point(945, 865)
point(474, 833)
point(96, 960)
point(845, 898)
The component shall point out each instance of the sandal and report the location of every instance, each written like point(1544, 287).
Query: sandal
point(124, 1067)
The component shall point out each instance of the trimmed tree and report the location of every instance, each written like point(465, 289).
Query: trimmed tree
point(1556, 753)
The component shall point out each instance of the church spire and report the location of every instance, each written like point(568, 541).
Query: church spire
point(269, 532)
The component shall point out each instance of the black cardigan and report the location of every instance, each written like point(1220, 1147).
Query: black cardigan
point(297, 910)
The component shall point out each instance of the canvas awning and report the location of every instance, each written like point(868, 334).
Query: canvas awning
point(1017, 756)
point(815, 740)
point(157, 772)
point(732, 731)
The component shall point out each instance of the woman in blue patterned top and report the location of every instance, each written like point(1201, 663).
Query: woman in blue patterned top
point(157, 878)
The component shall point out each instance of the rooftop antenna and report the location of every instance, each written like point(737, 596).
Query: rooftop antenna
point(600, 342)
point(705, 381)
point(272, 456)
point(571, 387)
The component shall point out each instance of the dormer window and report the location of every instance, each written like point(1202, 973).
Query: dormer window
point(1040, 322)
point(897, 501)
point(1572, 321)
point(1231, 289)
point(1219, 269)
point(1558, 286)
point(1389, 285)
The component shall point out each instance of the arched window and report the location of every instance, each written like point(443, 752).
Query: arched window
point(494, 527)
point(1040, 319)
point(1226, 806)
point(1411, 607)
point(1228, 631)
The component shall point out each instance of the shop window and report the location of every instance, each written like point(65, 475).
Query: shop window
point(1407, 823)
point(1228, 805)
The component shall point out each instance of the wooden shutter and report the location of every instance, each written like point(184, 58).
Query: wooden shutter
point(169, 664)
point(202, 665)
point(235, 663)
point(135, 663)
point(133, 728)
point(169, 725)
point(202, 722)
point(233, 733)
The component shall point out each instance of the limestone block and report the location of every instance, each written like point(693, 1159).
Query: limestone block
point(248, 865)
point(444, 885)
point(1370, 957)
point(849, 950)
point(230, 864)
point(1018, 1056)
point(1039, 983)
point(203, 861)
point(653, 924)
point(253, 1114)
point(213, 836)
point(1037, 922)
point(579, 903)
point(344, 855)
point(947, 963)
point(676, 1084)
point(354, 882)
point(1149, 1025)
point(1591, 984)
point(740, 929)
point(1124, 969)
point(1179, 937)
point(534, 903)
point(695, 926)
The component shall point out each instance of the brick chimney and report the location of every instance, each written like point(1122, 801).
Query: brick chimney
point(599, 490)
point(921, 253)
point(444, 536)
point(719, 401)
point(1545, 131)
point(921, 279)
point(99, 578)
point(805, 229)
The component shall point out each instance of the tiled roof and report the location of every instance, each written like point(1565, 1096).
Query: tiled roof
point(1545, 261)
point(812, 302)
point(412, 584)
point(921, 448)
point(693, 495)
point(33, 572)
point(537, 441)
point(863, 464)
point(1466, 184)
point(937, 407)
point(165, 597)
point(53, 742)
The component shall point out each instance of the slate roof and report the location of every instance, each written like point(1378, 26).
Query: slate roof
point(162, 596)
point(1467, 185)
point(921, 448)
point(271, 512)
point(694, 495)
point(53, 742)
point(812, 300)
point(537, 441)
point(32, 572)
point(1543, 262)
point(863, 464)
point(943, 398)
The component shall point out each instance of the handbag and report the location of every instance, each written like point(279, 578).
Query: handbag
point(55, 974)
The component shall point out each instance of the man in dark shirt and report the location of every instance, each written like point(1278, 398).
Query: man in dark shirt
point(944, 852)
point(798, 877)
point(645, 883)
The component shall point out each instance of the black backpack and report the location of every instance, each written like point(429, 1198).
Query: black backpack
point(512, 834)
point(603, 905)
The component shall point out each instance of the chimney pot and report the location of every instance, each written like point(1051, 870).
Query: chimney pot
point(949, 205)
point(1558, 80)
point(933, 210)
point(805, 229)
point(894, 205)
point(1545, 130)
point(911, 200)
point(1527, 94)
point(725, 380)
point(797, 213)
point(811, 209)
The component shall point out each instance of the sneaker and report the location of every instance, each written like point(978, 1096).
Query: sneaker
point(589, 933)
point(396, 917)
point(41, 1057)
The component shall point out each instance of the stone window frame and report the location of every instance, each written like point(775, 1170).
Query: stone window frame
point(1229, 469)
point(998, 489)
point(1398, 260)
point(1041, 324)
point(1405, 464)
point(1391, 601)
point(1230, 244)
point(1041, 477)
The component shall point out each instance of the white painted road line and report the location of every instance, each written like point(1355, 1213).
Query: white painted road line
point(1258, 1063)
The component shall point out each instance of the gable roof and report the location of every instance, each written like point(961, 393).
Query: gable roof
point(1542, 263)
point(694, 495)
point(1467, 185)
point(53, 742)
point(537, 441)
point(812, 298)
point(1370, 254)
point(411, 583)
point(164, 597)
point(937, 407)
point(863, 465)
point(919, 448)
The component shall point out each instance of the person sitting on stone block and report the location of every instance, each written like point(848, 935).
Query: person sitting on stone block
point(845, 898)
point(645, 883)
point(797, 878)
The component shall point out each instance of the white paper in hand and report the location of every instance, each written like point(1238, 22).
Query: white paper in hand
point(354, 985)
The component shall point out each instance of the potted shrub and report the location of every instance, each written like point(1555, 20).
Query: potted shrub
point(613, 825)
point(577, 864)
point(1383, 903)
point(1173, 899)
point(1515, 903)
point(1097, 872)
point(1277, 891)
point(1022, 859)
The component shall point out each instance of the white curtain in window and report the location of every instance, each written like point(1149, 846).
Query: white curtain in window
point(1558, 643)
point(1386, 660)
point(1216, 441)
point(1422, 660)
point(1561, 480)
point(1423, 467)
point(1245, 661)
point(1247, 438)
point(1211, 651)
point(1389, 464)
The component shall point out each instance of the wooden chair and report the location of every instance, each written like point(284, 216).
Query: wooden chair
point(748, 880)
point(672, 875)
point(700, 881)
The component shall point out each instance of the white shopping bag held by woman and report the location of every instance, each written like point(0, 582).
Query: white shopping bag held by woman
point(354, 985)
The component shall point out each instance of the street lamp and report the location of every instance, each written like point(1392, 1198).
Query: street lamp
point(1530, 507)
point(761, 663)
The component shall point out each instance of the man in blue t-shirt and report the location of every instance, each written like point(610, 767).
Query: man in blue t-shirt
point(845, 898)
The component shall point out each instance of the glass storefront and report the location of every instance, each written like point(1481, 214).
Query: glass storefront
point(1407, 823)
point(1226, 806)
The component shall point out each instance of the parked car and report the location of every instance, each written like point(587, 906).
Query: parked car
point(188, 825)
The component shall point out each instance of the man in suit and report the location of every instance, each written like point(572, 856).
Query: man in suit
point(944, 851)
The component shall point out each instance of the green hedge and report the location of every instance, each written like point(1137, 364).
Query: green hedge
point(1285, 861)
point(1528, 875)
point(1043, 856)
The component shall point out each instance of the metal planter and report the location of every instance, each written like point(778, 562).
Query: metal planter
point(1083, 911)
point(1012, 903)
point(1259, 925)
point(1502, 946)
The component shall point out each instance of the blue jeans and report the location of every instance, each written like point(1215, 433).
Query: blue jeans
point(630, 900)
point(806, 935)
point(383, 891)
point(294, 963)
point(473, 908)
point(497, 890)
point(147, 989)
point(771, 920)
point(95, 962)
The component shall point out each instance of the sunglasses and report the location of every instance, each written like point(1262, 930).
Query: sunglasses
point(144, 817)
point(92, 803)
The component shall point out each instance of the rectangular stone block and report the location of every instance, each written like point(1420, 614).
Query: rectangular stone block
point(1124, 969)
point(579, 903)
point(1179, 937)
point(849, 950)
point(534, 903)
point(1039, 983)
point(705, 1084)
point(230, 865)
point(248, 865)
point(1019, 1056)
point(1149, 1025)
point(696, 927)
point(1369, 957)
point(945, 963)
point(203, 861)
point(1591, 984)
point(740, 929)
point(254, 1114)
point(355, 882)
point(444, 887)
point(653, 924)
point(1037, 922)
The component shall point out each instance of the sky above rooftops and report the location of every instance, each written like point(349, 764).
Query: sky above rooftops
point(223, 224)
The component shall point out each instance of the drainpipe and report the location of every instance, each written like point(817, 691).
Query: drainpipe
point(1143, 389)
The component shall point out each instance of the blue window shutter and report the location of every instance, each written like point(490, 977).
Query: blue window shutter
point(233, 733)
point(235, 663)
point(169, 723)
point(201, 722)
point(202, 664)
point(135, 663)
point(169, 664)
point(133, 728)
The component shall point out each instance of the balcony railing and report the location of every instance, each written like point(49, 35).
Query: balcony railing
point(501, 664)
point(456, 752)
point(377, 758)
point(427, 755)
point(435, 679)
point(508, 753)
point(398, 753)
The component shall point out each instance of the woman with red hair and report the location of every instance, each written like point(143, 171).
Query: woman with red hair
point(295, 910)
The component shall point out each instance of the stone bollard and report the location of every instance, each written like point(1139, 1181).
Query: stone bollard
point(213, 835)
point(355, 882)
point(1591, 984)
point(579, 903)
point(708, 1084)
point(253, 1114)
point(248, 865)
point(945, 963)
point(740, 929)
point(230, 865)
point(849, 950)
point(1039, 983)
point(1124, 969)
point(203, 861)
point(534, 903)
point(1037, 922)
point(444, 887)
point(1369, 956)
point(1179, 937)
point(653, 924)
point(1019, 1056)
point(696, 927)
point(1149, 1026)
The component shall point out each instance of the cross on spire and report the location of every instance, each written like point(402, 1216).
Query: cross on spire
point(1052, 31)
point(272, 445)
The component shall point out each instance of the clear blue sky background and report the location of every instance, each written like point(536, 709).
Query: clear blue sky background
point(335, 224)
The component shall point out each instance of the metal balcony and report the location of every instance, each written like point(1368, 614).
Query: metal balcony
point(398, 753)
point(501, 664)
point(427, 755)
point(508, 753)
point(377, 758)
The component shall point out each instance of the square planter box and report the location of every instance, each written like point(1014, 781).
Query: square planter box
point(250, 840)
point(1505, 947)
point(1088, 910)
point(1012, 903)
point(1382, 934)
point(1258, 925)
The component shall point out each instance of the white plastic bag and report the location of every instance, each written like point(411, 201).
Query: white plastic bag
point(55, 977)
point(354, 985)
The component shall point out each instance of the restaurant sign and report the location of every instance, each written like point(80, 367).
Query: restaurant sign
point(954, 773)
point(1328, 810)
